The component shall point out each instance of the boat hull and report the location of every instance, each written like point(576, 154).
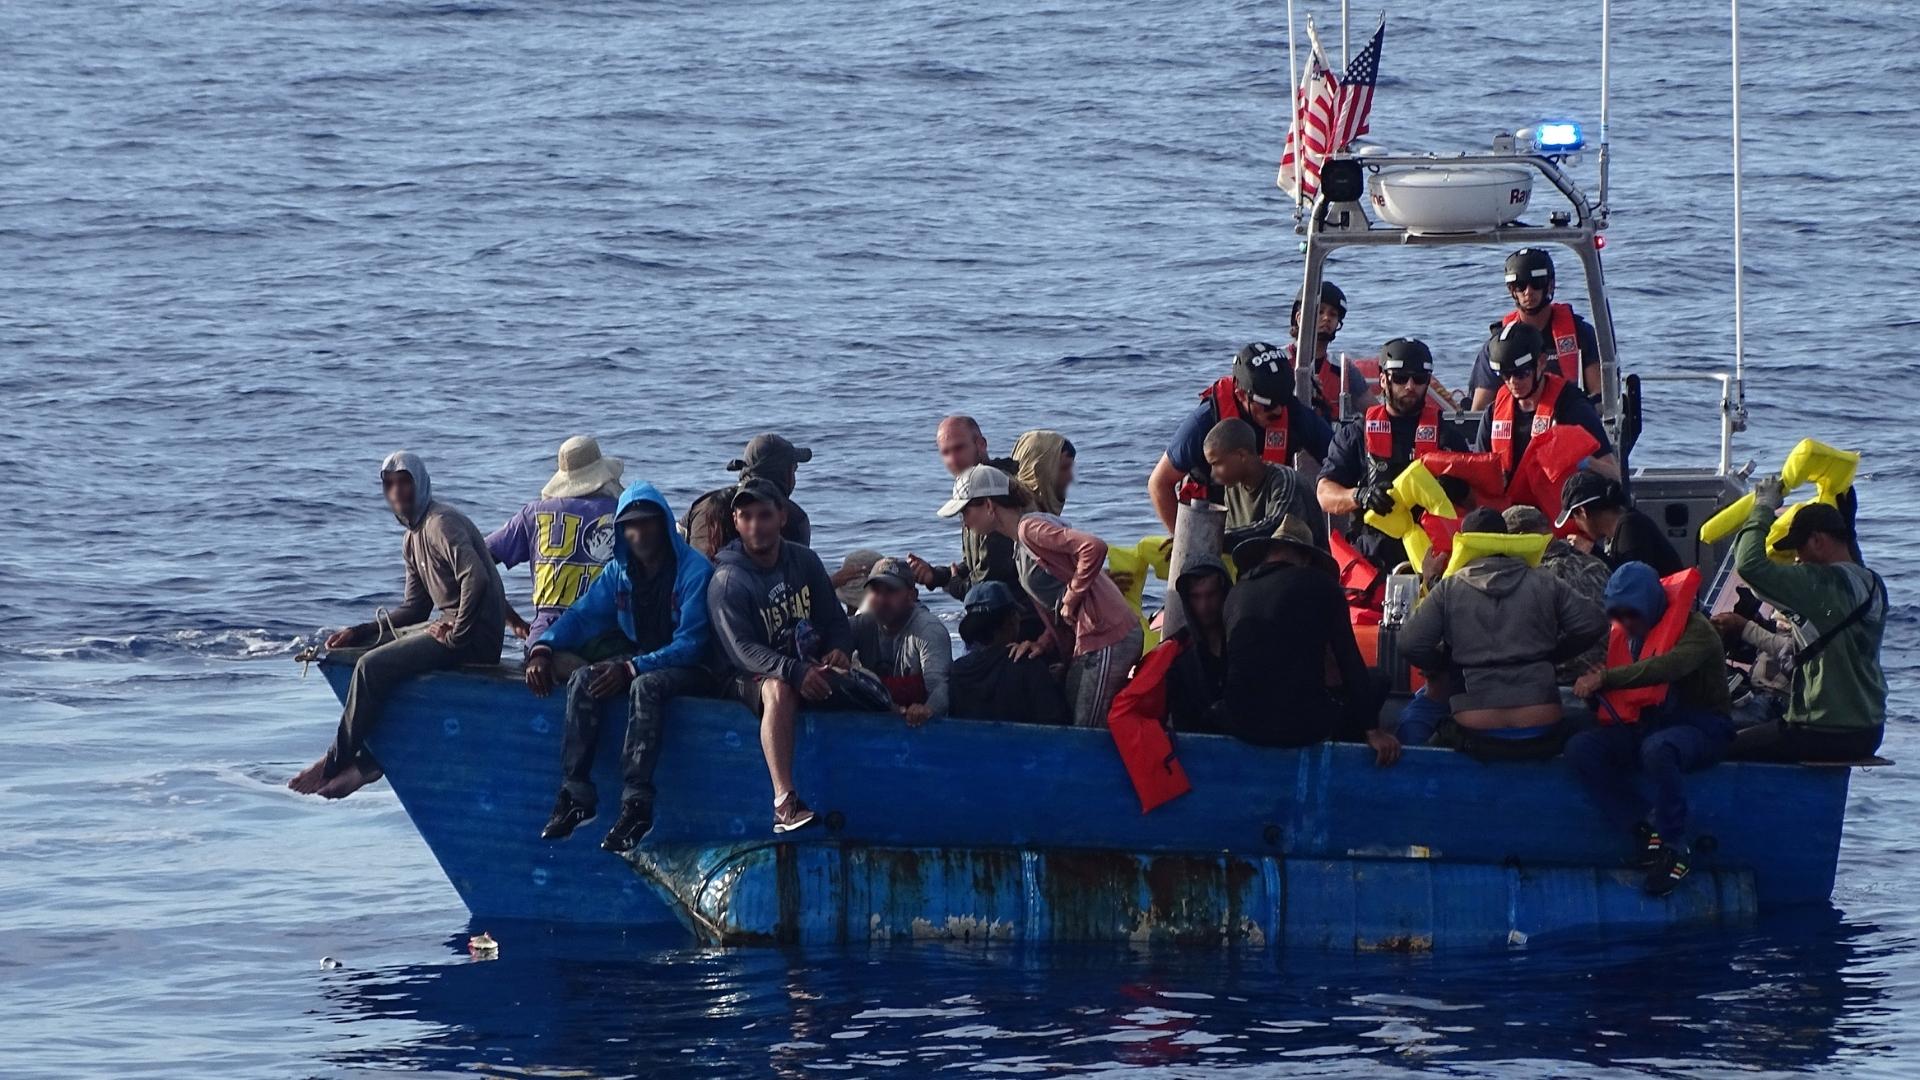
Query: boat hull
point(1034, 833)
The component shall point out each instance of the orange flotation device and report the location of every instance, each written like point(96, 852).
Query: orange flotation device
point(1625, 706)
point(1137, 721)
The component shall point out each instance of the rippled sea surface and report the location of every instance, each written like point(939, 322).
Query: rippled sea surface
point(247, 249)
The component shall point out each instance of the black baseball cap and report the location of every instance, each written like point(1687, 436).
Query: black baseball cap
point(768, 449)
point(1587, 489)
point(640, 508)
point(756, 489)
point(1814, 518)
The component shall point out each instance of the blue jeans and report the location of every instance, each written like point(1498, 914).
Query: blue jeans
point(1663, 747)
point(1420, 718)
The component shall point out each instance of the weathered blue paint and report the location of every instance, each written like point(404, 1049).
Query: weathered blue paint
point(966, 824)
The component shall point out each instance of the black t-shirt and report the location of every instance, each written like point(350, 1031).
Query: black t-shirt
point(1638, 538)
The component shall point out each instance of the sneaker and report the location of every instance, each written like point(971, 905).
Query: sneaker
point(633, 824)
point(791, 814)
point(568, 815)
point(1665, 876)
point(1650, 850)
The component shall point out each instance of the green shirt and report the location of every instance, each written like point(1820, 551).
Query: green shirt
point(1842, 688)
point(1696, 668)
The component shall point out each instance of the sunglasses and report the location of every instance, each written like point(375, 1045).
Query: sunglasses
point(1402, 378)
point(1526, 372)
point(1532, 283)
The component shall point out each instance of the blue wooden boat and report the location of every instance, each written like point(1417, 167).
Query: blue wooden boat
point(1002, 832)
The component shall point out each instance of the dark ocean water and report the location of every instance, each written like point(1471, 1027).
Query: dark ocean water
point(250, 248)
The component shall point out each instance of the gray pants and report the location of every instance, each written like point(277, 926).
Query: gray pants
point(375, 674)
point(647, 701)
point(1094, 678)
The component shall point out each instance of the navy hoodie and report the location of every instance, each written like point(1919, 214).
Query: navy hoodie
point(758, 614)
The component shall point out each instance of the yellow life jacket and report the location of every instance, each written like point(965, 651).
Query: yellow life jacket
point(1468, 546)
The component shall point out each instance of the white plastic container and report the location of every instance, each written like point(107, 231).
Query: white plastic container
point(1450, 198)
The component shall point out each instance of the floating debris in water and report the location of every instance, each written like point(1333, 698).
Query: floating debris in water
point(328, 963)
point(481, 946)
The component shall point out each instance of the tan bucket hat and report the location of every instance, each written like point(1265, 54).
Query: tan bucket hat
point(583, 471)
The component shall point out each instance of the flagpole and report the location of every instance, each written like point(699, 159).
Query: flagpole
point(1293, 105)
point(1346, 53)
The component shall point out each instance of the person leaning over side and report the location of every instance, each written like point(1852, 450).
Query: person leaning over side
point(566, 536)
point(1288, 640)
point(1532, 400)
point(1367, 457)
point(1837, 707)
point(1494, 630)
point(1260, 391)
point(990, 682)
point(1662, 710)
point(1597, 508)
point(652, 599)
point(1091, 623)
point(982, 558)
point(1256, 493)
point(708, 525)
point(765, 591)
point(898, 639)
point(448, 568)
point(1575, 347)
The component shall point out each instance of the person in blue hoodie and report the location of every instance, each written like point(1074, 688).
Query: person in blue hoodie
point(1678, 722)
point(654, 592)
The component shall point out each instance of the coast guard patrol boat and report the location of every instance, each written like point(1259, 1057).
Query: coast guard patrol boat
point(1037, 834)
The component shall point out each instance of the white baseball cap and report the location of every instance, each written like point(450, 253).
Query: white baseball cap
point(978, 482)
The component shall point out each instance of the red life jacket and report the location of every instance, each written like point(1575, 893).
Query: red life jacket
point(1379, 433)
point(1625, 706)
point(1500, 436)
point(1359, 578)
point(1564, 338)
point(1276, 448)
point(1481, 472)
point(1138, 721)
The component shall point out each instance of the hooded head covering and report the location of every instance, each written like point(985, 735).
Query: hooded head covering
point(408, 462)
point(1199, 568)
point(1636, 587)
point(1037, 453)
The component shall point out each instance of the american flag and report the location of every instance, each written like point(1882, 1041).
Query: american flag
point(1329, 112)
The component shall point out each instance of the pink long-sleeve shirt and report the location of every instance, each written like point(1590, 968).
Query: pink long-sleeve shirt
point(1098, 611)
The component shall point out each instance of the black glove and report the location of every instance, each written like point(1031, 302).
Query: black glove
point(1374, 497)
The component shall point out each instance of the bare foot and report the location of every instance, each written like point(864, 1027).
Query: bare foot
point(350, 779)
point(311, 778)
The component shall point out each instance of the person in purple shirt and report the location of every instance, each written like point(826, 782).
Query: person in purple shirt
point(566, 535)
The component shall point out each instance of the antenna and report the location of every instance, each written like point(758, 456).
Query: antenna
point(1346, 56)
point(1293, 106)
point(1739, 262)
point(1606, 48)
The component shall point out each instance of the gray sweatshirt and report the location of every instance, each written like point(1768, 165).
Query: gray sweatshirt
point(922, 647)
point(449, 568)
point(1504, 625)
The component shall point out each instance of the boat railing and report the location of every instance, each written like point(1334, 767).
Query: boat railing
point(1729, 409)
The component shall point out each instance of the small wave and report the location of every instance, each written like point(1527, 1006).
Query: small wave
point(234, 644)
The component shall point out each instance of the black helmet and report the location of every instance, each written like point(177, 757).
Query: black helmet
point(1529, 264)
point(1406, 354)
point(1263, 373)
point(1329, 294)
point(1514, 347)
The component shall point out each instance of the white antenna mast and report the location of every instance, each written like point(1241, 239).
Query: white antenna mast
point(1739, 262)
point(1293, 106)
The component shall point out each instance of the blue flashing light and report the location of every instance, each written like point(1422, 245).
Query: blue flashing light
point(1558, 137)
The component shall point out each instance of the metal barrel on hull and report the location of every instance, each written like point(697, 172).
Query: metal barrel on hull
point(835, 893)
point(475, 760)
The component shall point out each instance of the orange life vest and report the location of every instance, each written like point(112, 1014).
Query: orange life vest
point(1500, 435)
point(1625, 706)
point(1565, 339)
point(1138, 722)
point(1275, 447)
point(1379, 434)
